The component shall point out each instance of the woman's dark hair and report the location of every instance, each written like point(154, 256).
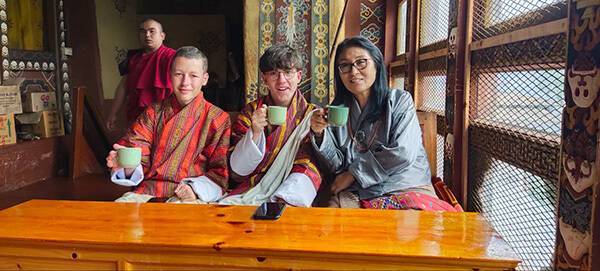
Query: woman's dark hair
point(379, 90)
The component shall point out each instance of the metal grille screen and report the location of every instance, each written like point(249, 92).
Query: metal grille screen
point(432, 89)
point(519, 86)
point(494, 17)
point(518, 204)
point(432, 85)
point(397, 80)
point(440, 155)
point(516, 102)
point(434, 22)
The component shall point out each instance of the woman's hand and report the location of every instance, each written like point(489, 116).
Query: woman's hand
point(318, 122)
point(185, 192)
point(341, 182)
point(259, 121)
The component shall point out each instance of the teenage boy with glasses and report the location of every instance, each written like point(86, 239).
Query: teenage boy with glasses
point(263, 165)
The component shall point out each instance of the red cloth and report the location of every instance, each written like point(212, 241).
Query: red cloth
point(148, 80)
point(443, 192)
point(407, 201)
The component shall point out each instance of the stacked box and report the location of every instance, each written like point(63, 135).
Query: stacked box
point(7, 130)
point(43, 124)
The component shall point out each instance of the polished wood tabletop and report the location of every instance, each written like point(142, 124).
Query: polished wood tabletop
point(411, 237)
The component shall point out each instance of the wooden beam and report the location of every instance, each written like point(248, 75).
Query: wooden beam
point(542, 30)
point(77, 133)
point(391, 15)
point(433, 54)
point(413, 51)
point(399, 62)
point(461, 103)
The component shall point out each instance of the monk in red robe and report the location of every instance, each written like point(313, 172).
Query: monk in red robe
point(144, 74)
point(183, 140)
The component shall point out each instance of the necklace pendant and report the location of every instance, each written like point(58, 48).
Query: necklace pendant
point(360, 135)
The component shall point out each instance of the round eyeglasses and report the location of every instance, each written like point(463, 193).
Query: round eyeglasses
point(359, 64)
point(274, 75)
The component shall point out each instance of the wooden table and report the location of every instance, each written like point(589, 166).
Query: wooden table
point(44, 234)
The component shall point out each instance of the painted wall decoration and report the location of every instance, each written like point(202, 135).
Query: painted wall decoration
point(120, 54)
point(121, 6)
point(308, 26)
point(372, 22)
point(40, 68)
point(578, 179)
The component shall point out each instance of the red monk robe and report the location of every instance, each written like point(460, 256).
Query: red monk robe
point(147, 79)
point(180, 143)
point(276, 137)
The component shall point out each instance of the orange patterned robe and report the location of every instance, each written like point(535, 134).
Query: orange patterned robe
point(180, 143)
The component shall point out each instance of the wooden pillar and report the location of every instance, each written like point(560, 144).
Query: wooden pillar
point(352, 19)
point(391, 17)
point(577, 244)
point(413, 49)
point(450, 89)
point(460, 129)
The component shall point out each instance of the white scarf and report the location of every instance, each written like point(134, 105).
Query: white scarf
point(277, 173)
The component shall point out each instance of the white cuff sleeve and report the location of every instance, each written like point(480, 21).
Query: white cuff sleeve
point(136, 177)
point(246, 156)
point(297, 190)
point(205, 189)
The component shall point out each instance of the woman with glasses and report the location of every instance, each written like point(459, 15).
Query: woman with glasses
point(378, 157)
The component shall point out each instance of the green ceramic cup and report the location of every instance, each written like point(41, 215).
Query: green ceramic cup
point(129, 157)
point(276, 115)
point(337, 115)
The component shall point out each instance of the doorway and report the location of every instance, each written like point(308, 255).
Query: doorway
point(216, 28)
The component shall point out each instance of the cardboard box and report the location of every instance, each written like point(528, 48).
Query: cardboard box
point(43, 124)
point(7, 130)
point(38, 101)
point(10, 96)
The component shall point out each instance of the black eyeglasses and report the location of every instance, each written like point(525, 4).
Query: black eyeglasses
point(359, 64)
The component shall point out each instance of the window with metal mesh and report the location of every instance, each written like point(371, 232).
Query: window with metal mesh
point(494, 17)
point(515, 107)
point(398, 83)
point(432, 90)
point(432, 97)
point(440, 155)
point(397, 77)
point(520, 86)
point(401, 26)
point(518, 204)
point(434, 23)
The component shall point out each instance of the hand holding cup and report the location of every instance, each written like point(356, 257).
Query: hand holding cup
point(123, 157)
point(259, 121)
point(318, 121)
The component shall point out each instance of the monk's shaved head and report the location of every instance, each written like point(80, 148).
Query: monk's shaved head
point(159, 28)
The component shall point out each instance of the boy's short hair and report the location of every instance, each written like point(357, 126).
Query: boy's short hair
point(190, 52)
point(280, 56)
